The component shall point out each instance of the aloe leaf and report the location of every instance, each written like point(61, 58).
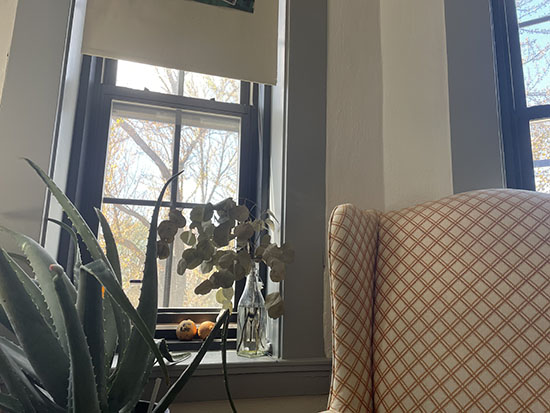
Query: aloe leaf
point(10, 404)
point(173, 391)
point(12, 377)
point(21, 387)
point(77, 255)
point(46, 354)
point(110, 324)
point(18, 356)
point(110, 245)
point(110, 332)
point(90, 311)
point(40, 261)
point(33, 291)
point(128, 374)
point(4, 319)
point(102, 273)
point(83, 386)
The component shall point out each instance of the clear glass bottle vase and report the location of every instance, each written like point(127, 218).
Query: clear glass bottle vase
point(252, 320)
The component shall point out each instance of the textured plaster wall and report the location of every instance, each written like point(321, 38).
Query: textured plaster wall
point(417, 145)
point(28, 110)
point(354, 105)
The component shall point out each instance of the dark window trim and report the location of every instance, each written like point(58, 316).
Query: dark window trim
point(513, 111)
point(96, 92)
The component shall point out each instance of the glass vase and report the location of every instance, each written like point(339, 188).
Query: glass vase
point(252, 320)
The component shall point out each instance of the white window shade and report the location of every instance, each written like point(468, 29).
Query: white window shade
point(186, 35)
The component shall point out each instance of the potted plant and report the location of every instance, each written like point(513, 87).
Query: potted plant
point(226, 242)
point(82, 346)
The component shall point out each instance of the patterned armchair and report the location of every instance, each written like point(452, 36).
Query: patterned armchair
point(442, 307)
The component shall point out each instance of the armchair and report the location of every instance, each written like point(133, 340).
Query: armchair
point(444, 306)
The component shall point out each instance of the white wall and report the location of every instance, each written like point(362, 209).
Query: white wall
point(7, 18)
point(417, 147)
point(28, 110)
point(354, 105)
point(388, 137)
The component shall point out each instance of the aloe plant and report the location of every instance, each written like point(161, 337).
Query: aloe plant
point(68, 333)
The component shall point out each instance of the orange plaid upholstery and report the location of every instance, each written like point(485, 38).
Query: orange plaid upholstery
point(352, 247)
point(462, 306)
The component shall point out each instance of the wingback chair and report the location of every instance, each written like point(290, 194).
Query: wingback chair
point(444, 306)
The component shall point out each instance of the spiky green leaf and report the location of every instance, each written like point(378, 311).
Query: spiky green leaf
point(83, 386)
point(40, 261)
point(131, 371)
point(10, 404)
point(46, 355)
point(101, 272)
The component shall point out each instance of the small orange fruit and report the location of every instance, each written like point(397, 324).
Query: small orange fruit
point(186, 330)
point(205, 328)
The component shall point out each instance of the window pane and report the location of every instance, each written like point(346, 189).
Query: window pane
point(130, 226)
point(209, 87)
point(535, 54)
point(532, 9)
point(209, 156)
point(139, 152)
point(540, 144)
point(146, 77)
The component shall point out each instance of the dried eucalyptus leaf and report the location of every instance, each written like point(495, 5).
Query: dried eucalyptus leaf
point(227, 259)
point(228, 292)
point(220, 298)
point(167, 230)
point(223, 279)
point(205, 249)
point(258, 225)
point(244, 231)
point(163, 250)
point(239, 272)
point(244, 259)
point(278, 270)
point(272, 251)
point(188, 238)
point(265, 240)
point(202, 213)
point(259, 252)
point(207, 266)
point(222, 233)
point(225, 205)
point(227, 305)
point(192, 257)
point(204, 287)
point(270, 224)
point(177, 218)
point(182, 266)
point(239, 213)
point(288, 254)
point(208, 228)
point(274, 305)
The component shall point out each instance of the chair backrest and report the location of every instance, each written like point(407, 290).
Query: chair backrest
point(352, 248)
point(461, 305)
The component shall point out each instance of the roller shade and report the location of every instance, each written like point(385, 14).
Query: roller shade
point(186, 35)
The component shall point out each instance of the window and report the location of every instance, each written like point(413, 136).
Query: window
point(140, 124)
point(522, 44)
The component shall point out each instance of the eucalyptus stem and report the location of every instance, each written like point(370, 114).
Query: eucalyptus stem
point(224, 364)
